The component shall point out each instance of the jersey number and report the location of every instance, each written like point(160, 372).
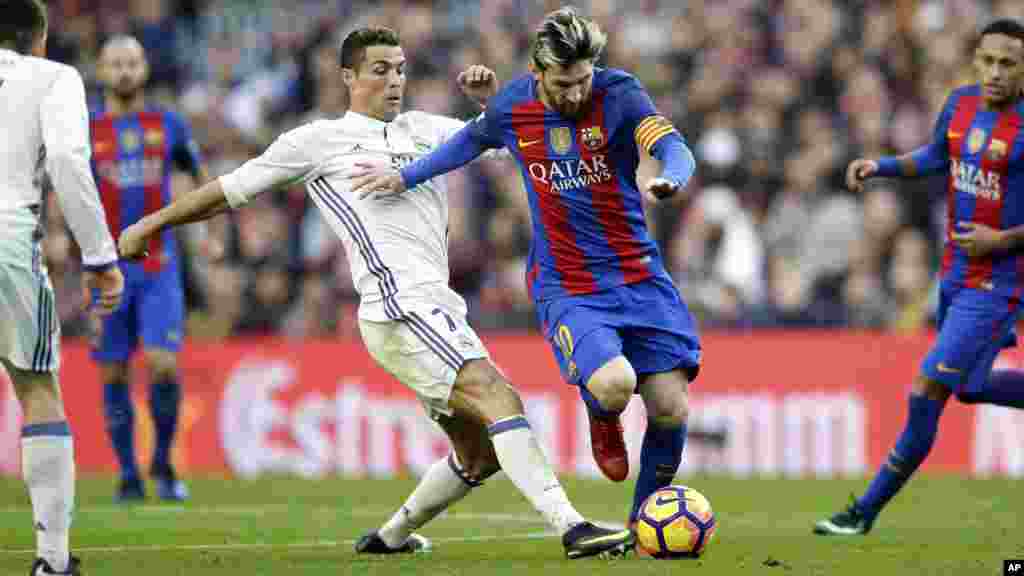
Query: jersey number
point(564, 340)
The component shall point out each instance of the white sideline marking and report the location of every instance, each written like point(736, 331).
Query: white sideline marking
point(253, 511)
point(278, 509)
point(267, 546)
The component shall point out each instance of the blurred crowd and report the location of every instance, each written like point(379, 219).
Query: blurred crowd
point(774, 98)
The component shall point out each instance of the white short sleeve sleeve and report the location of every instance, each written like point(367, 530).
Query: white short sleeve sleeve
point(284, 162)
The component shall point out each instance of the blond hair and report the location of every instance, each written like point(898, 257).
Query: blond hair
point(564, 37)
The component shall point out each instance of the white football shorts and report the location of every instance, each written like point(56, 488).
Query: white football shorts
point(29, 326)
point(427, 348)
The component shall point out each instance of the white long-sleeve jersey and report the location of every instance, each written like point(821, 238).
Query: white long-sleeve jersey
point(44, 126)
point(396, 246)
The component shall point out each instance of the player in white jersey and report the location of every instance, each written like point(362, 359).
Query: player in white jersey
point(44, 131)
point(412, 323)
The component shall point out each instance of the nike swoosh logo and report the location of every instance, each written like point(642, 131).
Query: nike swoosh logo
point(941, 367)
point(606, 538)
point(662, 500)
point(525, 143)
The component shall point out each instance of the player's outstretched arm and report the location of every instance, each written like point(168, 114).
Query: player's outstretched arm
point(928, 159)
point(923, 161)
point(677, 167)
point(286, 161)
point(459, 150)
point(196, 206)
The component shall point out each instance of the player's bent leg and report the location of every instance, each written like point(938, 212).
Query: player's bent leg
point(606, 394)
point(665, 400)
point(925, 407)
point(38, 394)
point(473, 458)
point(481, 393)
point(613, 384)
point(446, 482)
point(119, 412)
point(164, 408)
point(48, 467)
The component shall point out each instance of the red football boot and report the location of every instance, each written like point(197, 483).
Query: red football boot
point(609, 447)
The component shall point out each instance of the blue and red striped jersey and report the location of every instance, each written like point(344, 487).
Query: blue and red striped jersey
point(589, 231)
point(133, 156)
point(981, 150)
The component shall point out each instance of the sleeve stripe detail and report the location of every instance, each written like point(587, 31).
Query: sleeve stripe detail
point(652, 138)
point(649, 137)
point(645, 124)
point(650, 130)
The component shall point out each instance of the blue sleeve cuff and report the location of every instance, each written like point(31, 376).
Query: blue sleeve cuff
point(677, 161)
point(455, 152)
point(100, 267)
point(407, 178)
point(889, 167)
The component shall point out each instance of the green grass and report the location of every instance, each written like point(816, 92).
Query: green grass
point(286, 526)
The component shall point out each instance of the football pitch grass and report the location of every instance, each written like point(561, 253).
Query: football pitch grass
point(940, 525)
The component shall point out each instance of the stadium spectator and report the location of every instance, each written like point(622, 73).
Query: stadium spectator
point(774, 96)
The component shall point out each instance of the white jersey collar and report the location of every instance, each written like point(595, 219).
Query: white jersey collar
point(366, 122)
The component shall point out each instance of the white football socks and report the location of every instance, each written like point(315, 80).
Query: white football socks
point(48, 468)
point(524, 463)
point(443, 485)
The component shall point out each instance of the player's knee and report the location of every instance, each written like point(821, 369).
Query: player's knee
point(37, 393)
point(485, 393)
point(114, 373)
point(163, 365)
point(613, 384)
point(670, 412)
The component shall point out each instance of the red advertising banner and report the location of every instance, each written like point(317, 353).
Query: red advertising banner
point(786, 404)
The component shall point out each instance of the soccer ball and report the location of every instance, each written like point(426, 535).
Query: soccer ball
point(675, 522)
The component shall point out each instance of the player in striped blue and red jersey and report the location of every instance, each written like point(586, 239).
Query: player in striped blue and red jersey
point(615, 320)
point(979, 144)
point(135, 147)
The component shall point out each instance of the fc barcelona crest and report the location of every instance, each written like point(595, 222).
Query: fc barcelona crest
point(130, 141)
point(997, 150)
point(561, 139)
point(592, 137)
point(976, 140)
point(153, 138)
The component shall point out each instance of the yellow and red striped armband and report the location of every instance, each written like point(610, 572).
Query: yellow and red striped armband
point(650, 130)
